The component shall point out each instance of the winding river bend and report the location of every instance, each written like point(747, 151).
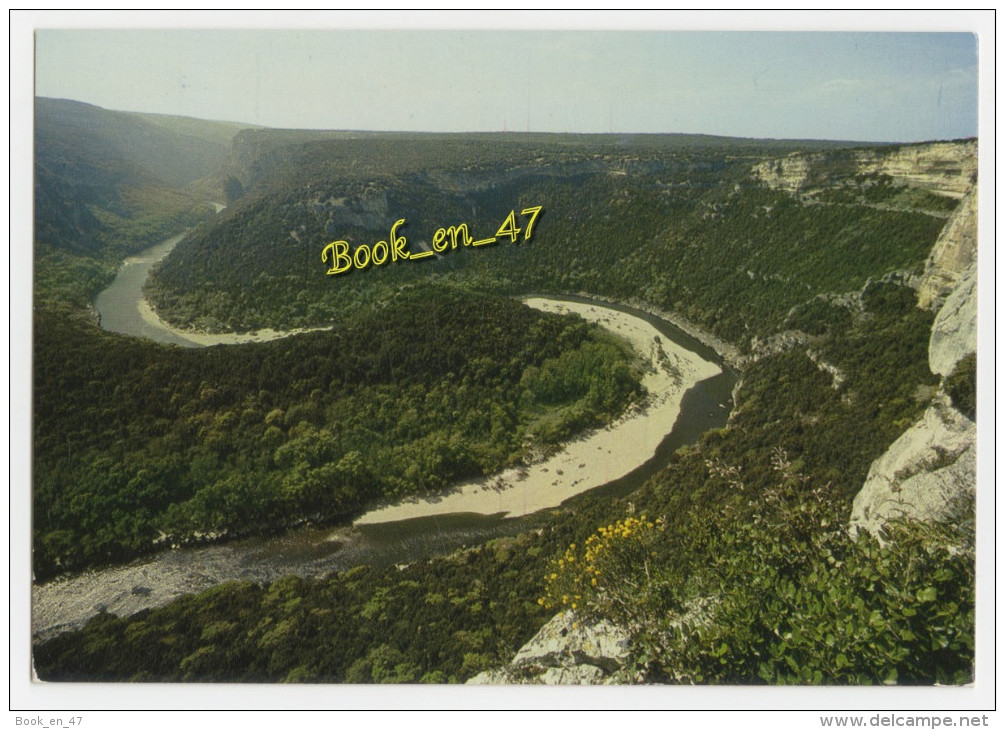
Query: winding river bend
point(66, 603)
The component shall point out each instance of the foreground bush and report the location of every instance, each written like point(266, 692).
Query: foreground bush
point(788, 597)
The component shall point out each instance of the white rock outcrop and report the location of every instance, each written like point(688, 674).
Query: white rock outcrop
point(946, 168)
point(923, 474)
point(949, 168)
point(567, 650)
point(954, 332)
point(926, 471)
point(954, 251)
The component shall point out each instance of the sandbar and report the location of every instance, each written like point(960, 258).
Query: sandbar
point(226, 338)
point(599, 456)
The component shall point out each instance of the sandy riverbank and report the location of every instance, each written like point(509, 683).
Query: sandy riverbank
point(729, 353)
point(597, 458)
point(605, 454)
point(206, 339)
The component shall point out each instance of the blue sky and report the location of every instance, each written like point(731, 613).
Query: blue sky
point(850, 85)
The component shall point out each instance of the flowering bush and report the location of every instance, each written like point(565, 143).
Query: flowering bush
point(604, 566)
point(780, 592)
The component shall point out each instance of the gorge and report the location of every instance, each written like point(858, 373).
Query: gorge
point(724, 557)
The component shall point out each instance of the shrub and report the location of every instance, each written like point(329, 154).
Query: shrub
point(961, 386)
point(603, 565)
point(782, 595)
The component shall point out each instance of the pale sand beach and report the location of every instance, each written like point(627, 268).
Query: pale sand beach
point(206, 339)
point(596, 458)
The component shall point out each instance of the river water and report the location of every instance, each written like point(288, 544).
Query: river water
point(68, 602)
point(118, 306)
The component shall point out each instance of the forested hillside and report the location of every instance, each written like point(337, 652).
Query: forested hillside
point(687, 228)
point(108, 184)
point(135, 440)
point(139, 446)
point(717, 504)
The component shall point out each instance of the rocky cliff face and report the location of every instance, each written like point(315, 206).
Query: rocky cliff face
point(923, 474)
point(955, 250)
point(954, 332)
point(790, 174)
point(567, 650)
point(932, 466)
point(946, 168)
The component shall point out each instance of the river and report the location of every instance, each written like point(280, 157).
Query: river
point(67, 602)
point(120, 306)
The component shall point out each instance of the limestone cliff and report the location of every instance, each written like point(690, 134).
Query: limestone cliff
point(954, 332)
point(923, 474)
point(932, 466)
point(945, 168)
point(567, 650)
point(954, 251)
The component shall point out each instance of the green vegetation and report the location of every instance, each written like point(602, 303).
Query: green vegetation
point(177, 151)
point(133, 439)
point(961, 385)
point(689, 231)
point(763, 500)
point(566, 393)
point(731, 564)
point(68, 277)
point(95, 203)
point(783, 596)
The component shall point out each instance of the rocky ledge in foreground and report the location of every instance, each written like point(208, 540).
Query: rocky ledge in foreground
point(567, 650)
